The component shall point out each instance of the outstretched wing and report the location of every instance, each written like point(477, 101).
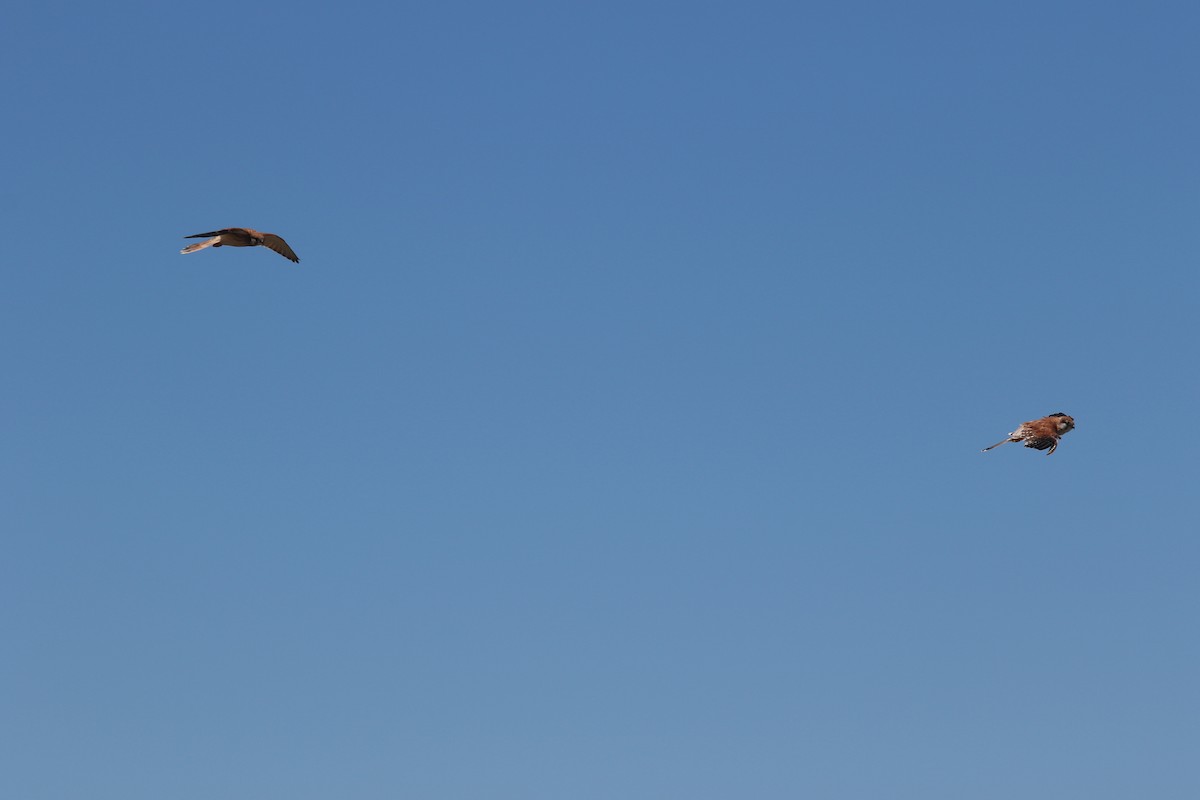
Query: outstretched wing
point(1041, 442)
point(214, 233)
point(277, 244)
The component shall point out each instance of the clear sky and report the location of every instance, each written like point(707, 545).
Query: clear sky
point(618, 434)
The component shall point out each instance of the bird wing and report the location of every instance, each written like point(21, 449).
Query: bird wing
point(277, 244)
point(1041, 442)
point(216, 233)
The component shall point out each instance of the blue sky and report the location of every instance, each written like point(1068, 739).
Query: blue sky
point(618, 433)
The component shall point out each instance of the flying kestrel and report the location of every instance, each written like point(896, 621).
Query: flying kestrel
point(241, 237)
point(1040, 434)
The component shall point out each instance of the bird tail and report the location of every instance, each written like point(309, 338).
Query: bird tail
point(191, 248)
point(997, 444)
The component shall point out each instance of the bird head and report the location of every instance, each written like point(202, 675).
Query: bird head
point(1064, 422)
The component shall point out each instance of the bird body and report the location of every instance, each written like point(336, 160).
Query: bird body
point(241, 237)
point(1040, 434)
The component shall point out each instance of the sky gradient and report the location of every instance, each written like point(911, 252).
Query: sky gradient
point(617, 435)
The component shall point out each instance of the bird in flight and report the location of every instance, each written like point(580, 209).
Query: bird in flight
point(241, 237)
point(1040, 434)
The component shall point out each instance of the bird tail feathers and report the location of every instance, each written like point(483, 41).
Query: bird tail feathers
point(191, 248)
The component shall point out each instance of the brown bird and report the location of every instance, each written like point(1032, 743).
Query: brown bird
point(1040, 434)
point(241, 237)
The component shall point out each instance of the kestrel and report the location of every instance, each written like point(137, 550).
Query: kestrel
point(241, 237)
point(1040, 434)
